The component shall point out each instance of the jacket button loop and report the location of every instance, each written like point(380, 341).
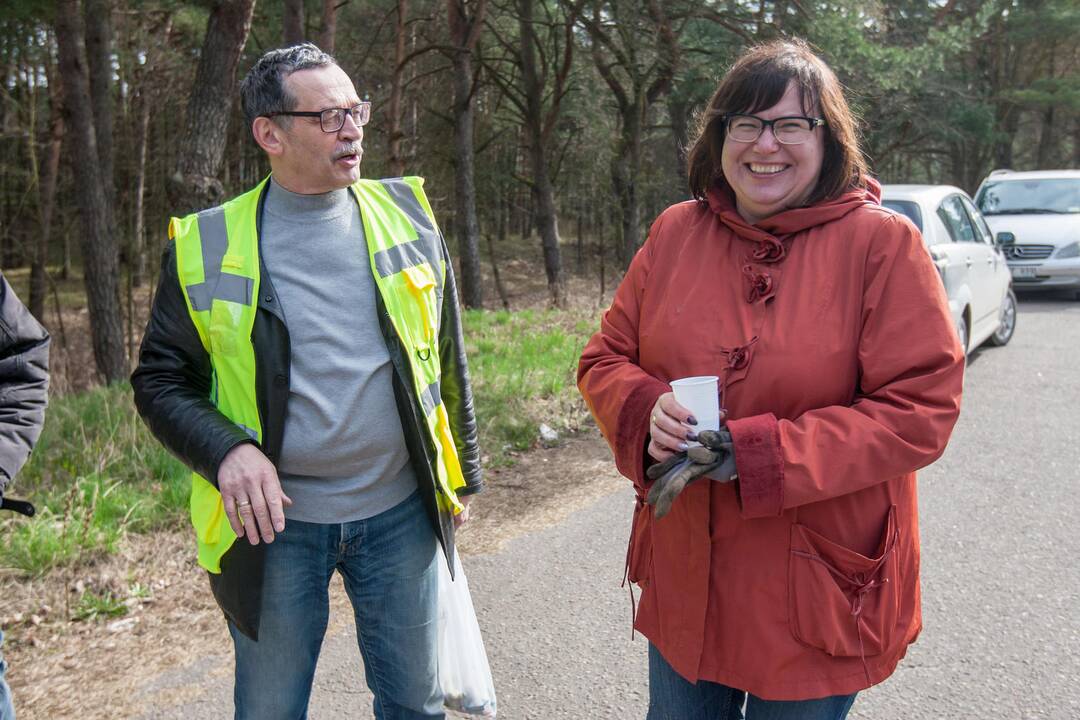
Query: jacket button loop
point(269, 298)
point(424, 354)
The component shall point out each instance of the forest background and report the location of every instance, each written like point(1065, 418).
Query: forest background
point(558, 123)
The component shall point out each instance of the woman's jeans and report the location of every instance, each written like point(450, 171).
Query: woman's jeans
point(672, 697)
point(388, 565)
point(7, 710)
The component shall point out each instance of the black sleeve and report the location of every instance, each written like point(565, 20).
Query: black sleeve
point(173, 380)
point(24, 382)
point(455, 387)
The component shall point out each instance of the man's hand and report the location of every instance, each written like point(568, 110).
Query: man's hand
point(463, 517)
point(251, 491)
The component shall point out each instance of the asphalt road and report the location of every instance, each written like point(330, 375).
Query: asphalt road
point(1001, 575)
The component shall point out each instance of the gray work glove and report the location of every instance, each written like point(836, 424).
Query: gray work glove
point(716, 456)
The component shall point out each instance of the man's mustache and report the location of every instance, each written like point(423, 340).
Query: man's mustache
point(351, 149)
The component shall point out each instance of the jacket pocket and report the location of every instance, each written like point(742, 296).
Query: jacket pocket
point(226, 319)
point(639, 550)
point(841, 601)
point(423, 288)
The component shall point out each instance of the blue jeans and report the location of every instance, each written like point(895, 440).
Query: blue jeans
point(7, 710)
point(388, 565)
point(672, 697)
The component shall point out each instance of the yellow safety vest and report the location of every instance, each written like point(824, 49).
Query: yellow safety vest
point(217, 258)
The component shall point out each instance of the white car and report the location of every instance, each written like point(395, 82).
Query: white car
point(1036, 219)
point(971, 265)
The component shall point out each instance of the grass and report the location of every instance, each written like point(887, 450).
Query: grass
point(97, 473)
point(523, 367)
point(92, 606)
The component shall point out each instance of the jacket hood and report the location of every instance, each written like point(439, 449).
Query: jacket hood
point(721, 200)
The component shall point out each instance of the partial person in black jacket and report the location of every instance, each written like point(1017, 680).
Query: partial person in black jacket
point(343, 473)
point(24, 392)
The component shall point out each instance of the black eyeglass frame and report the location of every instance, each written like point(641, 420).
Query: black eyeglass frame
point(815, 122)
point(345, 112)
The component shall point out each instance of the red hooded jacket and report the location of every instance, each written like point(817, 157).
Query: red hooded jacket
point(841, 374)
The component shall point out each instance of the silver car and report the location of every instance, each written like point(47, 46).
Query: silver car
point(1036, 218)
point(971, 265)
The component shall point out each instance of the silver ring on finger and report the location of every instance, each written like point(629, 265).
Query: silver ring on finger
point(243, 504)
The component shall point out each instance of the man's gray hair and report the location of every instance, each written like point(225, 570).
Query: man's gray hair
point(263, 88)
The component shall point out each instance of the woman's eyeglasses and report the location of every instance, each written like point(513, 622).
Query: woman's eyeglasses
point(793, 130)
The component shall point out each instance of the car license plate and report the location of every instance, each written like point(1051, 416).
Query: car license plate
point(1024, 272)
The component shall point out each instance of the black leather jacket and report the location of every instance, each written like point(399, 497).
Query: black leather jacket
point(24, 382)
point(172, 390)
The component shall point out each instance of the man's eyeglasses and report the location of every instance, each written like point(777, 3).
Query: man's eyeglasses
point(793, 130)
point(333, 119)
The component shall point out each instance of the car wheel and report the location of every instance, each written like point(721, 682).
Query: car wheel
point(962, 332)
point(1006, 321)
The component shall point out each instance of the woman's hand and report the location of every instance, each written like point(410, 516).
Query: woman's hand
point(671, 427)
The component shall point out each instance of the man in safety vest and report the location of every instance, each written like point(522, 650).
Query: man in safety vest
point(304, 357)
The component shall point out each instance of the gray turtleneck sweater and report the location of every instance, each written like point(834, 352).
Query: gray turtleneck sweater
point(343, 456)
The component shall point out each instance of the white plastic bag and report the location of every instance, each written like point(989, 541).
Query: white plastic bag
point(464, 673)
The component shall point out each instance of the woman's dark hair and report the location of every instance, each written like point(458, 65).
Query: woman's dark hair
point(756, 82)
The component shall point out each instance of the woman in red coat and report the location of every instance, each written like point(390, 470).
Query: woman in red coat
point(793, 583)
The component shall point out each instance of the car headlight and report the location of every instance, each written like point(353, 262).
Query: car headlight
point(1069, 251)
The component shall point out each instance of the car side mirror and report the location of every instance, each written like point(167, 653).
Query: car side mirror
point(1005, 238)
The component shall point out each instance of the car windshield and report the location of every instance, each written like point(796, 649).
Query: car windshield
point(906, 207)
point(1030, 197)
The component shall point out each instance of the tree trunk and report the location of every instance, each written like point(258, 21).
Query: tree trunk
point(1045, 160)
point(1008, 121)
point(1076, 144)
point(547, 221)
point(195, 186)
point(47, 194)
point(328, 29)
point(464, 33)
point(499, 288)
point(634, 100)
point(395, 133)
point(292, 23)
point(138, 236)
point(29, 69)
point(98, 17)
point(601, 251)
point(956, 163)
point(144, 103)
point(97, 238)
point(624, 173)
point(679, 115)
point(468, 229)
point(580, 237)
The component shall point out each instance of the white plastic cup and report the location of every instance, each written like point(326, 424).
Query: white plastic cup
point(700, 395)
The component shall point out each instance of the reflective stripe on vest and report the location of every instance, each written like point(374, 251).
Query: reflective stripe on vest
point(218, 267)
point(217, 254)
point(410, 271)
